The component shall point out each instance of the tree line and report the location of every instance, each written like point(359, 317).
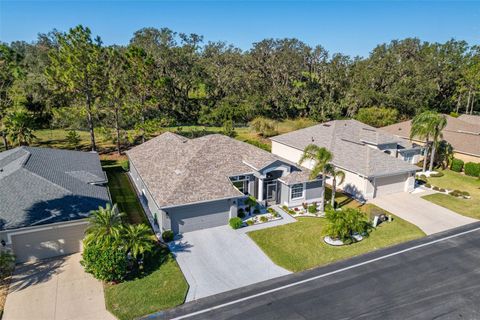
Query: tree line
point(161, 78)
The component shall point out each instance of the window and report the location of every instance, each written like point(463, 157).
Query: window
point(241, 183)
point(297, 191)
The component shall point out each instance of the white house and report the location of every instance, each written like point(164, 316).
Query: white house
point(375, 163)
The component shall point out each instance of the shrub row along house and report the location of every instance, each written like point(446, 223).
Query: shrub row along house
point(375, 163)
point(191, 184)
point(45, 196)
point(463, 133)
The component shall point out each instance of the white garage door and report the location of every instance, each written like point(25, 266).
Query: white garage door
point(48, 243)
point(392, 184)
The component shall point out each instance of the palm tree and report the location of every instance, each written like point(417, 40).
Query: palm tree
point(18, 126)
point(334, 173)
point(428, 124)
point(105, 224)
point(320, 157)
point(137, 239)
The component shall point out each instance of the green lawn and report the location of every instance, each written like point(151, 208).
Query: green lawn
point(162, 286)
point(56, 138)
point(453, 180)
point(123, 194)
point(299, 246)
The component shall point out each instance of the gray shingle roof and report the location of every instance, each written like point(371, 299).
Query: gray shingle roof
point(177, 170)
point(41, 186)
point(347, 140)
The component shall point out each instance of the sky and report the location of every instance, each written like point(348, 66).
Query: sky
point(349, 27)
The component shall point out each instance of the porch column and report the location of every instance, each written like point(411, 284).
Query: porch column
point(260, 189)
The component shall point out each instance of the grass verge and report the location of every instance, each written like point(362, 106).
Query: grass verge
point(453, 180)
point(161, 286)
point(299, 246)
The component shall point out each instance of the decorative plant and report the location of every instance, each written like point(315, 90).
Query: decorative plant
point(235, 223)
point(344, 224)
point(167, 235)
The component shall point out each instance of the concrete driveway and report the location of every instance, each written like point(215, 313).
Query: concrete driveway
point(55, 289)
point(221, 259)
point(428, 216)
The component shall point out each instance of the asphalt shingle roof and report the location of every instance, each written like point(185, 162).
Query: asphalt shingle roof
point(347, 140)
point(462, 133)
point(178, 171)
point(41, 186)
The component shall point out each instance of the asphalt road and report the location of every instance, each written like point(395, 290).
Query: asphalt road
point(437, 277)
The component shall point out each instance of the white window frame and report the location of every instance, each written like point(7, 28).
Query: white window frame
point(303, 191)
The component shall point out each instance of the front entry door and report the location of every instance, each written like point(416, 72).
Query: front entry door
point(272, 192)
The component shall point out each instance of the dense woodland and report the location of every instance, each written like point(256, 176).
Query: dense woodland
point(163, 78)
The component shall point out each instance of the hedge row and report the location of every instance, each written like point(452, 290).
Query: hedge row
point(472, 169)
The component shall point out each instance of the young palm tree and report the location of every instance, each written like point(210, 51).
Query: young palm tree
point(335, 174)
point(320, 157)
point(105, 224)
point(137, 239)
point(428, 124)
point(18, 126)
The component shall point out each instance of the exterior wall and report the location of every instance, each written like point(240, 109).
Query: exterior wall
point(290, 154)
point(466, 158)
point(312, 191)
point(46, 241)
point(146, 197)
point(356, 186)
point(200, 215)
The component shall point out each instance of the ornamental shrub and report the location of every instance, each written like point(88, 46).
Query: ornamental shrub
point(436, 188)
point(106, 263)
point(427, 185)
point(249, 222)
point(344, 224)
point(457, 165)
point(235, 223)
point(312, 208)
point(167, 235)
point(263, 219)
point(472, 169)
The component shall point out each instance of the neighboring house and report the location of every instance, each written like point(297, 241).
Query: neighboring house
point(191, 184)
point(463, 133)
point(375, 163)
point(45, 196)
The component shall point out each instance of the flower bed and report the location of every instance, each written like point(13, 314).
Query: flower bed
point(303, 211)
point(263, 218)
point(338, 242)
point(453, 193)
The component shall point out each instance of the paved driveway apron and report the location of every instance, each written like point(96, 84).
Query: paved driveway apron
point(220, 259)
point(57, 289)
point(428, 216)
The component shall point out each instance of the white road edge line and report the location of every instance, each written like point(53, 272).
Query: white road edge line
point(323, 275)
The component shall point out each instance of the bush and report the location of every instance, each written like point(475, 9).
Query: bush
point(249, 222)
point(235, 223)
point(264, 127)
point(437, 175)
point(105, 263)
point(258, 144)
point(256, 211)
point(456, 193)
point(270, 210)
point(312, 208)
point(284, 207)
point(428, 185)
point(453, 114)
point(436, 188)
point(73, 139)
point(377, 117)
point(229, 129)
point(457, 165)
point(241, 213)
point(465, 194)
point(263, 219)
point(472, 169)
point(442, 190)
point(7, 263)
point(344, 224)
point(167, 235)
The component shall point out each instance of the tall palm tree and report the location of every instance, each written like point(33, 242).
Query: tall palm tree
point(137, 238)
point(320, 157)
point(332, 171)
point(105, 224)
point(429, 124)
point(18, 126)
